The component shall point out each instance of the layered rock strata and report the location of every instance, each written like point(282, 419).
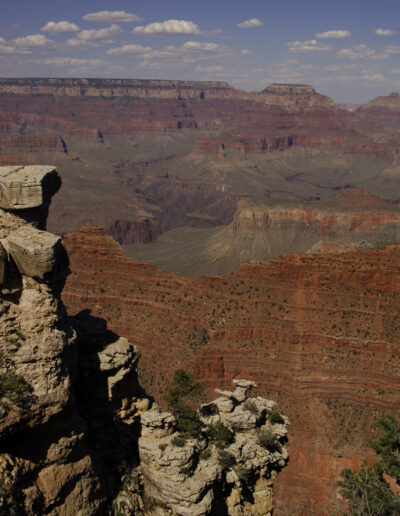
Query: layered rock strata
point(318, 333)
point(70, 400)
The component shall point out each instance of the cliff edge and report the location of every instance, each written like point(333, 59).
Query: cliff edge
point(78, 435)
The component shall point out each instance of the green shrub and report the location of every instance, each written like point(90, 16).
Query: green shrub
point(163, 446)
point(205, 454)
point(275, 418)
point(226, 459)
point(366, 491)
point(250, 406)
point(219, 434)
point(12, 386)
point(179, 440)
point(184, 386)
point(267, 439)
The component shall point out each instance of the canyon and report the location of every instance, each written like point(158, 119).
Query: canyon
point(317, 332)
point(206, 183)
point(161, 155)
point(78, 434)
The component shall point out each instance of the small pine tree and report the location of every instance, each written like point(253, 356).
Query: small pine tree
point(184, 387)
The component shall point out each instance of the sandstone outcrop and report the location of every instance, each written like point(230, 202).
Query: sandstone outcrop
point(318, 333)
point(70, 399)
point(27, 187)
point(188, 475)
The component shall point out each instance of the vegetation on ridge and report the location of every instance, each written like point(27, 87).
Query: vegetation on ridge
point(184, 387)
point(368, 491)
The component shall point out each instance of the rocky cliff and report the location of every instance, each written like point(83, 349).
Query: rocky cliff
point(266, 228)
point(317, 332)
point(72, 410)
point(130, 142)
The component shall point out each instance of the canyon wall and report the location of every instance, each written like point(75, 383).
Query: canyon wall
point(72, 409)
point(318, 333)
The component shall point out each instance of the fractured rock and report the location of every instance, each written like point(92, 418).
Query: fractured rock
point(38, 254)
point(27, 187)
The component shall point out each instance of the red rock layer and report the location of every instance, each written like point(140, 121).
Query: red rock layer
point(318, 333)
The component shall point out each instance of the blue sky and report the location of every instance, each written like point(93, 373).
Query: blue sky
point(349, 50)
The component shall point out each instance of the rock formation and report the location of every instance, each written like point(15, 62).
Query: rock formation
point(71, 404)
point(154, 141)
point(319, 334)
point(189, 475)
point(266, 228)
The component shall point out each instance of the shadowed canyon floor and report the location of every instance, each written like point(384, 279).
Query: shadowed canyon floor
point(319, 333)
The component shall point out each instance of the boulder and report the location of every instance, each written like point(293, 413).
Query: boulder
point(27, 187)
point(38, 254)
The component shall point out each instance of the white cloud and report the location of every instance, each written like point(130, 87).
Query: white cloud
point(393, 49)
point(307, 46)
point(100, 34)
point(189, 52)
point(60, 27)
point(248, 24)
point(72, 66)
point(334, 34)
point(361, 52)
point(112, 16)
point(394, 70)
point(385, 32)
point(376, 77)
point(172, 27)
point(33, 42)
point(68, 61)
point(129, 50)
point(209, 69)
point(245, 52)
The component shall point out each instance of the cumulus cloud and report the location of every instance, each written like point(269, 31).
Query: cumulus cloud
point(334, 34)
point(71, 66)
point(361, 52)
point(307, 46)
point(393, 49)
point(68, 61)
point(33, 42)
point(100, 34)
point(168, 27)
point(189, 52)
point(376, 77)
point(248, 24)
point(129, 50)
point(384, 32)
point(112, 17)
point(209, 69)
point(60, 27)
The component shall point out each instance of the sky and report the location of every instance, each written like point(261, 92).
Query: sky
point(349, 50)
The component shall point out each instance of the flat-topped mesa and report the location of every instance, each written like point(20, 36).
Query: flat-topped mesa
point(390, 102)
point(294, 97)
point(290, 89)
point(139, 88)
